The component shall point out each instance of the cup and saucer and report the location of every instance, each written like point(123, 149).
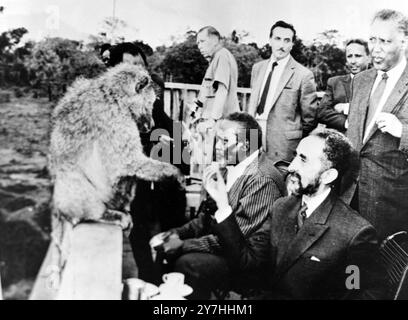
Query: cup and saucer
point(174, 287)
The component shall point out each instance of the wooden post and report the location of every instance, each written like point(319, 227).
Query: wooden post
point(93, 268)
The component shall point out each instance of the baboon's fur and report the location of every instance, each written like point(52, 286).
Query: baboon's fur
point(95, 143)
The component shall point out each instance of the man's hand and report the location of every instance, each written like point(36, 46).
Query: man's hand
point(166, 140)
point(342, 108)
point(387, 122)
point(172, 245)
point(215, 186)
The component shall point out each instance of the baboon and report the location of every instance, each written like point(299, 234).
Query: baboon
point(95, 153)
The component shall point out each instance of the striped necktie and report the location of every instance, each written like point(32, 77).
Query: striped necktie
point(301, 217)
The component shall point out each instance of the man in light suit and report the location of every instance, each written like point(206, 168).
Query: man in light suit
point(378, 128)
point(283, 97)
point(334, 106)
point(253, 183)
point(312, 240)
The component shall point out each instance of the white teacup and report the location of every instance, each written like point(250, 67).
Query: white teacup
point(174, 280)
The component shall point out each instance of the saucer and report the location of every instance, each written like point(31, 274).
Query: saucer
point(167, 297)
point(151, 290)
point(185, 290)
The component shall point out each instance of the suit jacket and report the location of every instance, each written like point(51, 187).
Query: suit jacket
point(312, 263)
point(293, 114)
point(250, 198)
point(383, 175)
point(338, 91)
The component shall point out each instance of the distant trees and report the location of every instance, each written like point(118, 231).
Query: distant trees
point(56, 63)
point(182, 62)
point(11, 58)
point(52, 64)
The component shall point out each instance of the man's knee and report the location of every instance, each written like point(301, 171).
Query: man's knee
point(188, 265)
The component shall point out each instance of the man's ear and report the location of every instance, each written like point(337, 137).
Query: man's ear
point(329, 176)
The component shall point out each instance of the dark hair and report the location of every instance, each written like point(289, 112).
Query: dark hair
point(104, 47)
point(211, 31)
point(283, 24)
point(118, 50)
point(360, 42)
point(251, 127)
point(338, 150)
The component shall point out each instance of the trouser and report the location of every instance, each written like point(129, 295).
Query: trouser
point(204, 272)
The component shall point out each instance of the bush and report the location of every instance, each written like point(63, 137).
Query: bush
point(4, 97)
point(18, 92)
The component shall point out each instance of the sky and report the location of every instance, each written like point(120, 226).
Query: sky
point(156, 21)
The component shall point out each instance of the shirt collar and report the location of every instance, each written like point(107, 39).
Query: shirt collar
point(234, 172)
point(218, 48)
point(313, 202)
point(396, 71)
point(281, 63)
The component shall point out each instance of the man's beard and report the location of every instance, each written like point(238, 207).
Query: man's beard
point(294, 185)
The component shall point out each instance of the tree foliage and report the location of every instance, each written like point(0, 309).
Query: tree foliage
point(57, 62)
point(183, 62)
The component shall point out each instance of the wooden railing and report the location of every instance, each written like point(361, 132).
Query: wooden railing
point(177, 95)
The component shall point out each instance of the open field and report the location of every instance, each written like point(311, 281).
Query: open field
point(25, 191)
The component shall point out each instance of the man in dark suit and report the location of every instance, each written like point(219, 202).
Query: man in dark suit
point(283, 97)
point(313, 245)
point(253, 183)
point(334, 106)
point(378, 128)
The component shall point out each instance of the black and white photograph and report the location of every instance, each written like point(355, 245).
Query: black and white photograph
point(203, 150)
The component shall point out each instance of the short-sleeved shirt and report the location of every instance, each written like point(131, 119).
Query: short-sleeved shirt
point(222, 69)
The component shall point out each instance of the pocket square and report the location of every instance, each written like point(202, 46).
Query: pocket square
point(313, 258)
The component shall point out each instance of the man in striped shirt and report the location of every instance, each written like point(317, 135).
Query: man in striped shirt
point(253, 184)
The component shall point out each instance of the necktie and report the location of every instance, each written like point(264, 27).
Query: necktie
point(301, 216)
point(261, 105)
point(375, 100)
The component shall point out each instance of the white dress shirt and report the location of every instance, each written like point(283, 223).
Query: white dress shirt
point(276, 75)
point(233, 173)
point(313, 202)
point(393, 76)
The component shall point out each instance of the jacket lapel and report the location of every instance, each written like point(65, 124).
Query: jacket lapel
point(286, 75)
point(313, 228)
point(362, 104)
point(287, 227)
point(346, 80)
point(236, 188)
point(393, 99)
point(258, 86)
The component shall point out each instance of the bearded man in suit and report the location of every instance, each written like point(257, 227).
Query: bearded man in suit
point(378, 128)
point(334, 106)
point(312, 239)
point(283, 97)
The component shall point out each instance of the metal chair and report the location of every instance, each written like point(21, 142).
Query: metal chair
point(394, 252)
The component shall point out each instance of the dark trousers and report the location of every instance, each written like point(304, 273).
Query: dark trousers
point(154, 211)
point(204, 272)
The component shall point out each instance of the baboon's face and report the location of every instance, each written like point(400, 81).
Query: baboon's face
point(134, 85)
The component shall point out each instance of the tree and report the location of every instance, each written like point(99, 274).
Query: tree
point(246, 56)
point(9, 40)
point(183, 62)
point(57, 62)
